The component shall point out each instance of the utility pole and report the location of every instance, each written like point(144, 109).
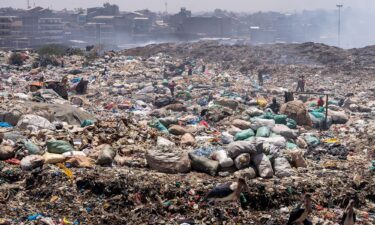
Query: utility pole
point(166, 8)
point(339, 6)
point(28, 4)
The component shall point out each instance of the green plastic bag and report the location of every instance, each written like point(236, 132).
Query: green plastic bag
point(291, 123)
point(312, 104)
point(244, 135)
point(59, 147)
point(32, 148)
point(312, 140)
point(263, 132)
point(159, 126)
point(86, 123)
point(280, 119)
point(290, 145)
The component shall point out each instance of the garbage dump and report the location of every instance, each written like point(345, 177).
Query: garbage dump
point(138, 137)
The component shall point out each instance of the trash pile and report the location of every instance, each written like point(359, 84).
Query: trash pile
point(141, 136)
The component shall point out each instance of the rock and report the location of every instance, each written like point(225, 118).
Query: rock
point(297, 111)
point(188, 139)
point(257, 123)
point(297, 158)
point(242, 124)
point(164, 142)
point(177, 130)
point(51, 158)
point(285, 131)
point(202, 164)
point(59, 147)
point(242, 161)
point(254, 111)
point(222, 157)
point(166, 161)
point(236, 148)
point(263, 165)
point(106, 155)
point(34, 122)
point(248, 173)
point(6, 152)
point(31, 162)
point(282, 167)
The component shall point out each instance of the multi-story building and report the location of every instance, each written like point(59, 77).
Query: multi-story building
point(10, 31)
point(51, 30)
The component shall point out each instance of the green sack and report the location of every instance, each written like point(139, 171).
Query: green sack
point(268, 115)
point(280, 119)
point(312, 140)
point(159, 126)
point(86, 123)
point(32, 148)
point(263, 132)
point(59, 147)
point(290, 145)
point(313, 104)
point(291, 123)
point(244, 135)
point(333, 102)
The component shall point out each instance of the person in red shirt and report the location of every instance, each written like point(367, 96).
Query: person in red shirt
point(320, 102)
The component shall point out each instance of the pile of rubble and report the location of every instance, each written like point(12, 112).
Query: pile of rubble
point(105, 140)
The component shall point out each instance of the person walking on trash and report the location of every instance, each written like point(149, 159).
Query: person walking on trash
point(171, 87)
point(301, 84)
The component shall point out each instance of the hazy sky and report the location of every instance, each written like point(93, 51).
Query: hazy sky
point(199, 5)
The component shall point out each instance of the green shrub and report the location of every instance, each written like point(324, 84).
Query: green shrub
point(52, 49)
point(15, 59)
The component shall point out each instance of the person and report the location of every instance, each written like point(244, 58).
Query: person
point(190, 71)
point(274, 106)
point(171, 87)
point(62, 63)
point(81, 87)
point(301, 84)
point(203, 68)
point(320, 102)
point(260, 77)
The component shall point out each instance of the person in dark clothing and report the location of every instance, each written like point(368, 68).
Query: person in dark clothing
point(171, 87)
point(260, 77)
point(203, 68)
point(62, 64)
point(288, 96)
point(301, 84)
point(190, 71)
point(274, 106)
point(81, 87)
